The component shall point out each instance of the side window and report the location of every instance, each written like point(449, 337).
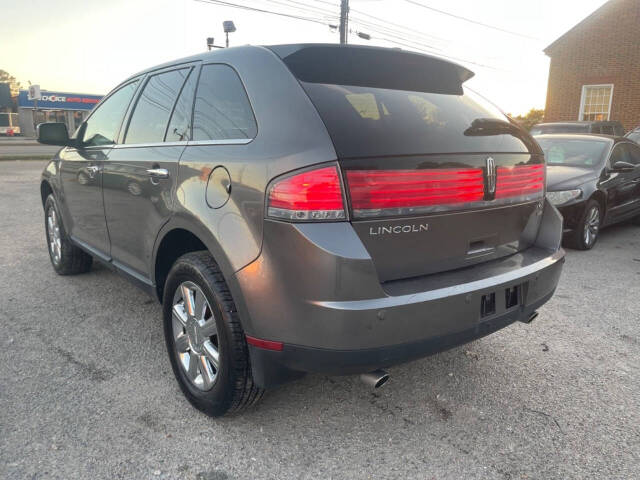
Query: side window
point(607, 129)
point(180, 123)
point(633, 155)
point(617, 155)
point(102, 126)
point(222, 110)
point(151, 114)
point(625, 152)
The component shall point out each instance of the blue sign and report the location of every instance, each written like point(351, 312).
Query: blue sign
point(59, 101)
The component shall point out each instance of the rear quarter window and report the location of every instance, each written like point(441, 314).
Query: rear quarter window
point(222, 110)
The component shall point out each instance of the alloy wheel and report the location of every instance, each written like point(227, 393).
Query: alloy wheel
point(591, 226)
point(53, 232)
point(195, 336)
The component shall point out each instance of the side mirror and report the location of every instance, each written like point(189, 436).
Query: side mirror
point(53, 134)
point(620, 165)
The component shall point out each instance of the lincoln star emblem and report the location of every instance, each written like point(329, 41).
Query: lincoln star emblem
point(491, 175)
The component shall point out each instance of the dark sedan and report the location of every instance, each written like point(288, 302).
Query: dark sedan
point(594, 180)
point(634, 135)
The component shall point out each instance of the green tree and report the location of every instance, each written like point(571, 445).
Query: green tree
point(14, 84)
point(530, 119)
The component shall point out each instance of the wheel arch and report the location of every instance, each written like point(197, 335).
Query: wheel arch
point(45, 190)
point(183, 235)
point(601, 198)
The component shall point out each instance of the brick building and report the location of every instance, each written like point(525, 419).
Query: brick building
point(595, 67)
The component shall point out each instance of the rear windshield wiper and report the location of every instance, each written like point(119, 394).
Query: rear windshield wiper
point(491, 126)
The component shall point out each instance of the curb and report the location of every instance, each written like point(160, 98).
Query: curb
point(8, 158)
point(19, 144)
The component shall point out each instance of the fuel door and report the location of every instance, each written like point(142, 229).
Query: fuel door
point(218, 187)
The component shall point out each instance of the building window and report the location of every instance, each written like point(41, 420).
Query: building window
point(596, 102)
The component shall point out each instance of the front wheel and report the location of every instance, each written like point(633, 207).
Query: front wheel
point(585, 236)
point(66, 258)
point(205, 342)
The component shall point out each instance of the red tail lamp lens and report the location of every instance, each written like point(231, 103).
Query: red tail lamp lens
point(406, 191)
point(520, 181)
point(314, 195)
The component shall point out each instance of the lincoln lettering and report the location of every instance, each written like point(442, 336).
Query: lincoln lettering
point(396, 229)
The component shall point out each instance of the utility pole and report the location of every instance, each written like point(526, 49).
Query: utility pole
point(344, 20)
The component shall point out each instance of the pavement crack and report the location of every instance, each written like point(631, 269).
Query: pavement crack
point(539, 412)
point(87, 368)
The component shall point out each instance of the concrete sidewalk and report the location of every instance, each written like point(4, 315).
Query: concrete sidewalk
point(25, 148)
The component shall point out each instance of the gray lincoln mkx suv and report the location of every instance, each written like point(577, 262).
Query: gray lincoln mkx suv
point(305, 208)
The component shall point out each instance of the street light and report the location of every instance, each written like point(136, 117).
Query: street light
point(228, 27)
point(210, 43)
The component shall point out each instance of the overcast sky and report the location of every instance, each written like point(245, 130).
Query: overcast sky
point(89, 46)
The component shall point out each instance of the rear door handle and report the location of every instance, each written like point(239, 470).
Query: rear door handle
point(158, 172)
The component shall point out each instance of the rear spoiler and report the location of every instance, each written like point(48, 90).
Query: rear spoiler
point(374, 67)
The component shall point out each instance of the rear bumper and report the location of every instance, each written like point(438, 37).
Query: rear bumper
point(362, 325)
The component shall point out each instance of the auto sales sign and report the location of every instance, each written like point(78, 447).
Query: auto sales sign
point(59, 100)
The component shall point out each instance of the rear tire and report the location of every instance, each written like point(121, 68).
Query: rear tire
point(587, 231)
point(66, 258)
point(205, 341)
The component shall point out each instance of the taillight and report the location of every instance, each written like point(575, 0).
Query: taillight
point(520, 182)
point(313, 195)
point(389, 192)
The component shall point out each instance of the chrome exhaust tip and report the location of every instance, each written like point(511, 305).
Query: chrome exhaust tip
point(375, 379)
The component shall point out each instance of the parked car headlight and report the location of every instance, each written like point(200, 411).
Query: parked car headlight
point(564, 196)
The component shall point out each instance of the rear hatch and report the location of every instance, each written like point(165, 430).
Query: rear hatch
point(435, 177)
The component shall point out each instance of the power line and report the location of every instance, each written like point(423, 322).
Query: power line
point(415, 45)
point(392, 33)
point(336, 5)
point(397, 37)
point(442, 12)
point(436, 54)
point(323, 22)
point(401, 27)
point(246, 7)
point(398, 32)
point(307, 9)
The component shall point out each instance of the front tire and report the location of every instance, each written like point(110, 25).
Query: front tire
point(204, 338)
point(586, 233)
point(66, 258)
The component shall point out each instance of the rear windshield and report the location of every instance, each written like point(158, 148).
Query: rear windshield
point(635, 136)
point(573, 153)
point(543, 129)
point(367, 121)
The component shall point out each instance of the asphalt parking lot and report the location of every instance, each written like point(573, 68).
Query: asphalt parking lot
point(86, 389)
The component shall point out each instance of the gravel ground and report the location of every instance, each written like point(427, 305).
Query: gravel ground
point(86, 389)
